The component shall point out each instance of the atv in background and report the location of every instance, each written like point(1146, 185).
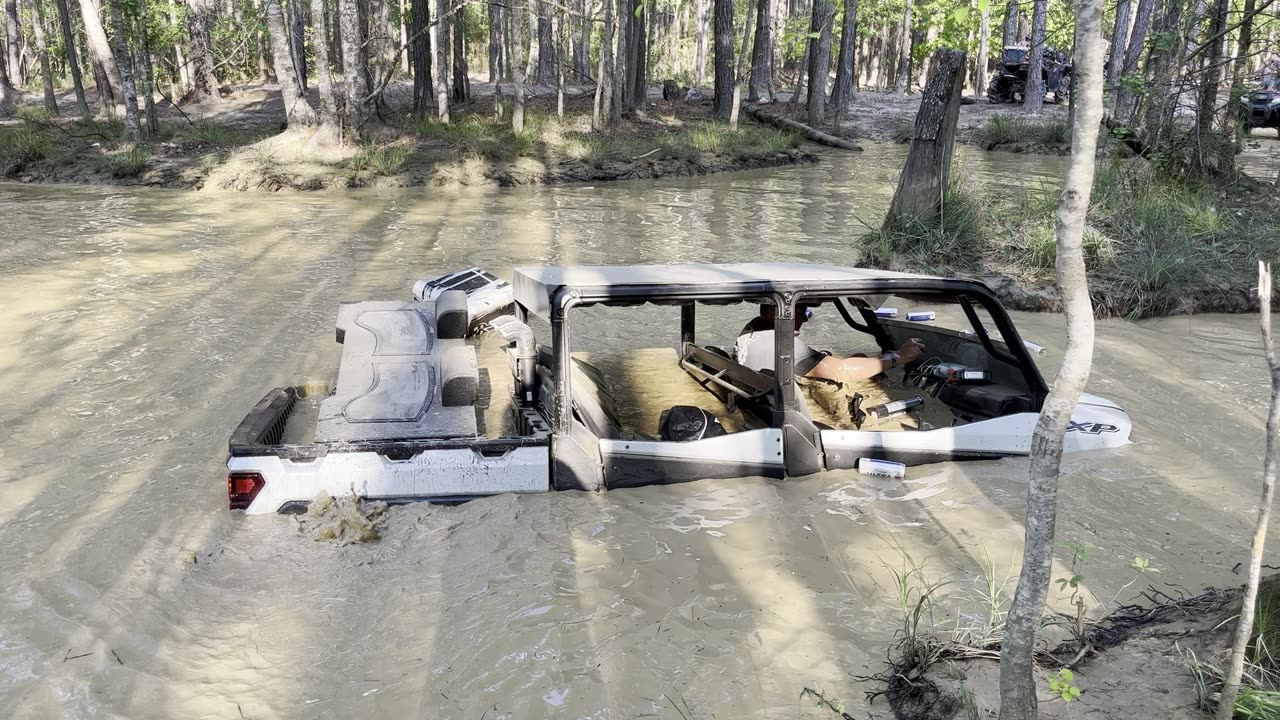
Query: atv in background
point(1010, 81)
point(1261, 107)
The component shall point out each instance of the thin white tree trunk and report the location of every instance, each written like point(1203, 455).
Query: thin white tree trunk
point(99, 46)
point(984, 38)
point(1017, 654)
point(1244, 624)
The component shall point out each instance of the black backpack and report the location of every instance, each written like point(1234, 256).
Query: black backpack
point(682, 423)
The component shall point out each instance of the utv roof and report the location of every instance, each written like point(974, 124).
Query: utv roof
point(536, 287)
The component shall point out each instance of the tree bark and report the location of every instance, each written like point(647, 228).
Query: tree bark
point(1033, 99)
point(148, 72)
point(928, 166)
point(13, 35)
point(518, 25)
point(297, 111)
point(298, 44)
point(1244, 623)
point(700, 43)
point(905, 36)
point(42, 54)
point(8, 95)
point(204, 82)
point(440, 42)
point(723, 58)
point(327, 109)
point(355, 66)
point(622, 60)
point(461, 77)
point(1210, 77)
point(1010, 36)
point(761, 85)
point(603, 110)
point(582, 47)
point(546, 46)
point(1017, 661)
point(100, 51)
point(819, 60)
point(1119, 37)
point(495, 40)
point(132, 128)
point(73, 60)
point(421, 44)
point(980, 63)
point(738, 74)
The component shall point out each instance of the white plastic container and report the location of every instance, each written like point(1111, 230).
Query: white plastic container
point(922, 316)
point(886, 312)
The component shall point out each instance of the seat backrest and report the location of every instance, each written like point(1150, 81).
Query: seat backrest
point(592, 403)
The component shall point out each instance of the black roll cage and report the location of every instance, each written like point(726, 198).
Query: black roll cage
point(847, 297)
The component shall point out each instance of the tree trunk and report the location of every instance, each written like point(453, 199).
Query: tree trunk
point(421, 44)
point(327, 110)
point(297, 111)
point(42, 53)
point(13, 35)
point(1160, 68)
point(298, 44)
point(1033, 100)
point(132, 128)
point(355, 66)
point(905, 36)
point(8, 96)
point(546, 46)
point(1017, 661)
point(846, 61)
point(1119, 36)
point(700, 43)
point(582, 48)
point(602, 112)
point(1244, 623)
point(738, 74)
point(801, 71)
point(406, 55)
point(518, 24)
point(265, 73)
point(819, 60)
point(622, 60)
point(495, 41)
point(440, 42)
point(1010, 24)
point(73, 60)
point(980, 62)
point(204, 82)
point(148, 72)
point(761, 85)
point(723, 58)
point(100, 52)
point(928, 165)
point(1125, 99)
point(1210, 77)
point(1236, 113)
point(461, 75)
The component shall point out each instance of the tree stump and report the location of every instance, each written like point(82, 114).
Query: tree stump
point(924, 176)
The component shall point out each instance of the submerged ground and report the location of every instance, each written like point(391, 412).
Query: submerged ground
point(147, 322)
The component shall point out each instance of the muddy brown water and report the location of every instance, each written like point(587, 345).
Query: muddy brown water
point(141, 325)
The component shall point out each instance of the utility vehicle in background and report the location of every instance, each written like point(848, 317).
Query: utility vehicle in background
point(416, 414)
point(1009, 81)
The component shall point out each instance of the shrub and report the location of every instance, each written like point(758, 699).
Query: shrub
point(20, 146)
point(128, 162)
point(381, 160)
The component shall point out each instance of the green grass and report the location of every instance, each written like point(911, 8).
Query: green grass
point(22, 145)
point(127, 162)
point(953, 238)
point(1151, 242)
point(1004, 129)
point(381, 159)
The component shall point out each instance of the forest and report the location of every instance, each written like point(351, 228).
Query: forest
point(1175, 68)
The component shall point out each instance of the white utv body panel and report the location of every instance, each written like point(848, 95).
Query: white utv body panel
point(432, 474)
point(1096, 424)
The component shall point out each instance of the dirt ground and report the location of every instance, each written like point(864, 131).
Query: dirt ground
point(255, 158)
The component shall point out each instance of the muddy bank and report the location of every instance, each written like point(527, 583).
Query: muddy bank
point(235, 144)
point(1112, 298)
point(1154, 659)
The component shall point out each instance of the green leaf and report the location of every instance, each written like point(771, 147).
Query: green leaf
point(983, 5)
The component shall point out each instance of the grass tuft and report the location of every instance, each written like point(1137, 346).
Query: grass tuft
point(128, 162)
point(952, 238)
point(381, 159)
point(1005, 129)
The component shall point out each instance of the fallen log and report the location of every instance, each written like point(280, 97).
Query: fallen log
point(814, 135)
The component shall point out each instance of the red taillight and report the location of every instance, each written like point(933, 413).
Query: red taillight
point(242, 488)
